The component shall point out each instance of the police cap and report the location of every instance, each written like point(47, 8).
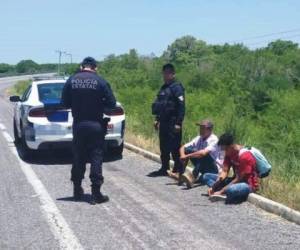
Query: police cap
point(89, 62)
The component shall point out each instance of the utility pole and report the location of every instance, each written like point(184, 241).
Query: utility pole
point(60, 52)
point(70, 55)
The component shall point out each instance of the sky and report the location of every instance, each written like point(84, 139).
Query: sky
point(35, 29)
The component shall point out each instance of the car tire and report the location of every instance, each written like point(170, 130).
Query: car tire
point(118, 150)
point(16, 134)
point(26, 152)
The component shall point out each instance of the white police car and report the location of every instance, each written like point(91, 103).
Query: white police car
point(41, 123)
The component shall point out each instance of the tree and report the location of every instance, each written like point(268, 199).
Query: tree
point(179, 50)
point(130, 60)
point(27, 66)
point(279, 47)
point(5, 68)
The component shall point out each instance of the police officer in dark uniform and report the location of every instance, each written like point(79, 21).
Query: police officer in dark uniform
point(87, 94)
point(169, 109)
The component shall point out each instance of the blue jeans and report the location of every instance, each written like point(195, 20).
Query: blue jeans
point(235, 193)
point(210, 179)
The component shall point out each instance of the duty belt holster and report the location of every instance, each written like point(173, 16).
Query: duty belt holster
point(104, 122)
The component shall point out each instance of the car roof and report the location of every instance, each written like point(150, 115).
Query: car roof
point(53, 81)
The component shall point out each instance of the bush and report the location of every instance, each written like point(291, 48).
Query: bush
point(253, 94)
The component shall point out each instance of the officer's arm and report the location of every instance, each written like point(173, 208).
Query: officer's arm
point(109, 98)
point(178, 91)
point(66, 99)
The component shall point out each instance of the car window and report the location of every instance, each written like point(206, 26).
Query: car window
point(26, 94)
point(50, 92)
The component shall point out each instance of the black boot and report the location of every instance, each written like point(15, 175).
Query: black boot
point(161, 172)
point(77, 191)
point(97, 196)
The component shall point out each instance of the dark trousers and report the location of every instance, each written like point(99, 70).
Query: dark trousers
point(202, 165)
point(88, 143)
point(170, 142)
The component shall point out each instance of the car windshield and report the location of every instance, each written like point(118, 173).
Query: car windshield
point(50, 92)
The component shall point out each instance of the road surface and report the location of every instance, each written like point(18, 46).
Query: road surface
point(37, 212)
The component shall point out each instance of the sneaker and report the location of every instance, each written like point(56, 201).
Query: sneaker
point(188, 178)
point(217, 197)
point(160, 172)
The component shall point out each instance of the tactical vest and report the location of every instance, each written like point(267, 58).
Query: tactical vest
point(165, 103)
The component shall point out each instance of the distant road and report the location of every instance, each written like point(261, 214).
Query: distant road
point(37, 212)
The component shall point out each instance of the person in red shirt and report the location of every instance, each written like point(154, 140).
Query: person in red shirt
point(245, 180)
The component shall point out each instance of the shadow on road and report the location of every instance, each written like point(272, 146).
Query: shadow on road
point(85, 199)
point(57, 156)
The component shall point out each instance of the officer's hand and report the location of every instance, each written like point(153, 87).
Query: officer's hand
point(156, 125)
point(177, 128)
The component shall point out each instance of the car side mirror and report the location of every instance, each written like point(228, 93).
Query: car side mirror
point(15, 98)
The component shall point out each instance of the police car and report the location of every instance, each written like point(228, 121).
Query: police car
point(40, 122)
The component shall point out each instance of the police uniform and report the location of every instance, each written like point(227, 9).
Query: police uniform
point(169, 108)
point(87, 94)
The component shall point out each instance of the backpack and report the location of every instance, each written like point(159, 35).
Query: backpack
point(263, 167)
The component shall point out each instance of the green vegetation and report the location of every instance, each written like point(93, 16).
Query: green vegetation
point(5, 68)
point(254, 94)
point(19, 88)
point(27, 66)
point(31, 67)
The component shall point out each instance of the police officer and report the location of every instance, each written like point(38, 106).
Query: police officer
point(87, 94)
point(169, 110)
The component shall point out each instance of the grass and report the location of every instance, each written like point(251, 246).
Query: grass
point(277, 187)
point(19, 88)
point(150, 144)
point(279, 190)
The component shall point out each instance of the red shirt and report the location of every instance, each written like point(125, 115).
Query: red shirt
point(244, 165)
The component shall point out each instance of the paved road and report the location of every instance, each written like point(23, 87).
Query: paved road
point(37, 212)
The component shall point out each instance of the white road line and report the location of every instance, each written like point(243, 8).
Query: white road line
point(7, 136)
point(2, 127)
point(56, 221)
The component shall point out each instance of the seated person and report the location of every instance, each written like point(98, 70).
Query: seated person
point(245, 180)
point(203, 153)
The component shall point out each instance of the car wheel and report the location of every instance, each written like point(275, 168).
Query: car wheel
point(26, 152)
point(118, 150)
point(16, 135)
